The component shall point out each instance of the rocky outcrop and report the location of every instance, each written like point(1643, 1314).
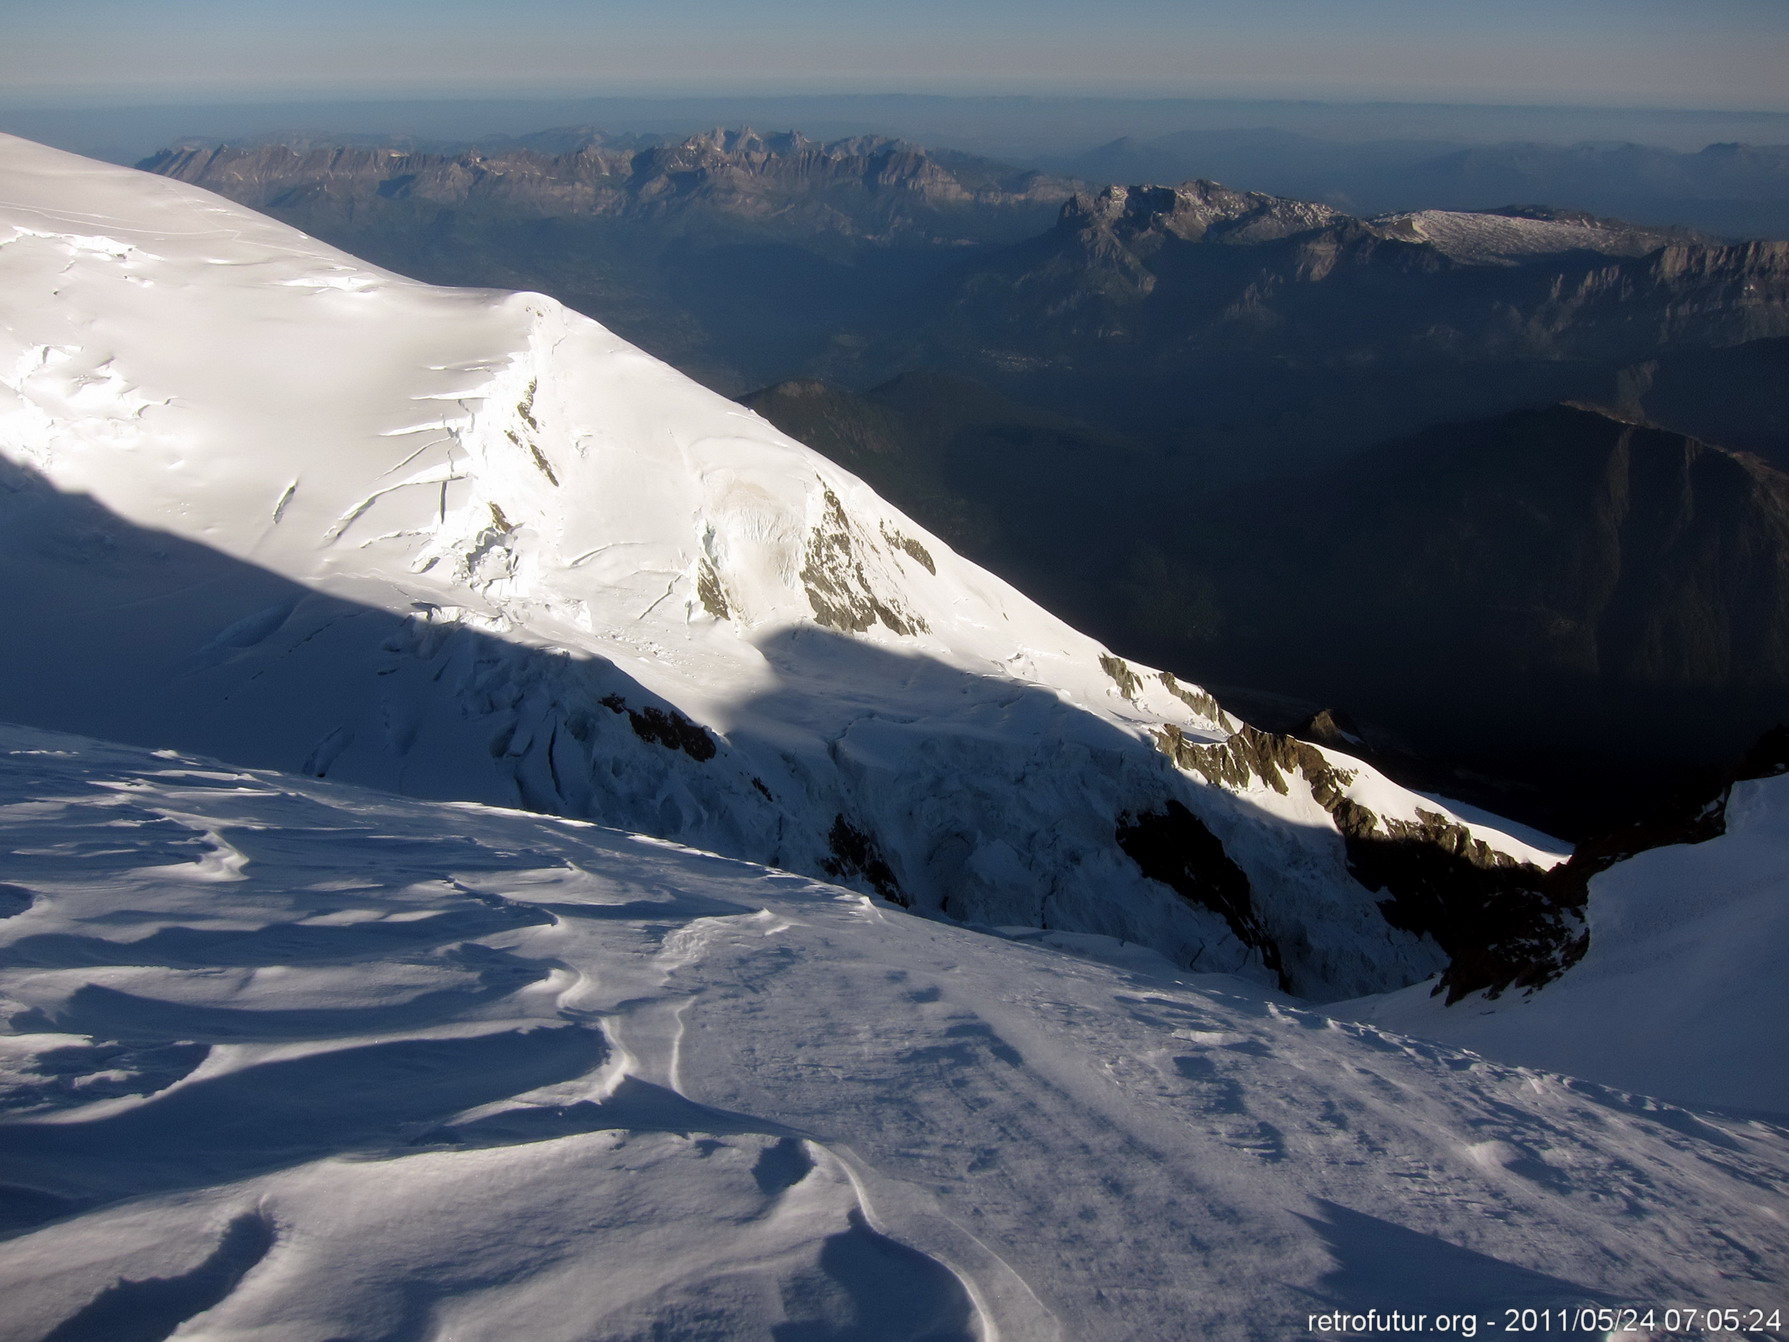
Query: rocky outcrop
point(1175, 847)
point(1502, 923)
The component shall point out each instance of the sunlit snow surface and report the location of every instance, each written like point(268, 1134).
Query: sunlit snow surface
point(292, 1060)
point(1506, 240)
point(263, 501)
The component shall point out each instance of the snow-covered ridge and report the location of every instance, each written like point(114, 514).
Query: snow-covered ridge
point(271, 503)
point(1489, 237)
point(289, 1059)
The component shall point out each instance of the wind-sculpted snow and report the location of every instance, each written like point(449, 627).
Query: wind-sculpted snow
point(294, 1060)
point(264, 501)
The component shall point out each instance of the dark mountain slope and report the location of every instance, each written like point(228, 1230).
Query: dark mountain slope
point(1737, 396)
point(992, 476)
point(1547, 593)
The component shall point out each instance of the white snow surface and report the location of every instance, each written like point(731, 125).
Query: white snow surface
point(1682, 992)
point(289, 1059)
point(272, 504)
point(1497, 239)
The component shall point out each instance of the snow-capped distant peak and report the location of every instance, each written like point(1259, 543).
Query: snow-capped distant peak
point(1498, 237)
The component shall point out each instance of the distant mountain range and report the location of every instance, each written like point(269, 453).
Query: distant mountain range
point(737, 256)
point(1735, 189)
point(1231, 322)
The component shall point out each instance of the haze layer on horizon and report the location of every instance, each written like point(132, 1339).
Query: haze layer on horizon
point(1719, 54)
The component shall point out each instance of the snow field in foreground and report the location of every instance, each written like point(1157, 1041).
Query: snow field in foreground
point(287, 1059)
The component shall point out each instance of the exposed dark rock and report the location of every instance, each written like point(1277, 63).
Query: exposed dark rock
point(665, 727)
point(1198, 700)
point(856, 854)
point(1123, 677)
point(1502, 923)
point(910, 547)
point(1173, 846)
point(838, 589)
point(710, 592)
point(1331, 727)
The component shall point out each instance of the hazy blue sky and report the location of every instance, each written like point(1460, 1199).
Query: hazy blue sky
point(1679, 53)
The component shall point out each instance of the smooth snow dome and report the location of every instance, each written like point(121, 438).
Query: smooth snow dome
point(294, 1060)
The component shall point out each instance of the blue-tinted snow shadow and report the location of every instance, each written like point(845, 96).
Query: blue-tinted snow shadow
point(369, 1100)
point(140, 636)
point(861, 1287)
point(111, 1014)
point(634, 1106)
point(869, 1288)
point(151, 1310)
point(1384, 1266)
point(276, 944)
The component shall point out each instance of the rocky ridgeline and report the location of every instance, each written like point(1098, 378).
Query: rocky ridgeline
point(867, 186)
point(1168, 269)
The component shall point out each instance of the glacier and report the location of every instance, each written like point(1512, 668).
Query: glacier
point(266, 502)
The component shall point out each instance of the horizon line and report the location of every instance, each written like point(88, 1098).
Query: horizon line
point(79, 103)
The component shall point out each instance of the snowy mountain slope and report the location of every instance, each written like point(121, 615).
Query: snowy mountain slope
point(1682, 992)
point(288, 1059)
point(270, 503)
